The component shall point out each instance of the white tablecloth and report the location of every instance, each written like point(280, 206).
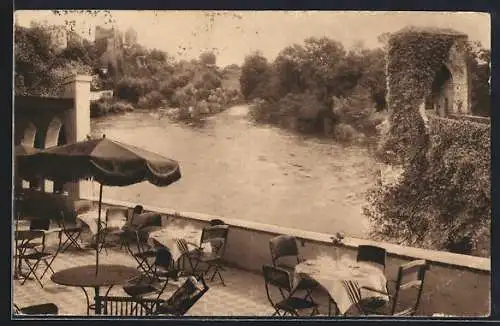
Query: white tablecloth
point(169, 235)
point(90, 219)
point(331, 274)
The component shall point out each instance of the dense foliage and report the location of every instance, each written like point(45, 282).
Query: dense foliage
point(322, 79)
point(442, 198)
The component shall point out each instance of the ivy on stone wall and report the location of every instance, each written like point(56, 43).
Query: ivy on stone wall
point(414, 56)
point(442, 198)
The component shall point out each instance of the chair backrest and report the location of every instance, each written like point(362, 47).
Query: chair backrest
point(128, 306)
point(372, 254)
point(186, 296)
point(217, 221)
point(277, 277)
point(217, 236)
point(410, 278)
point(283, 246)
point(40, 224)
point(132, 213)
point(164, 258)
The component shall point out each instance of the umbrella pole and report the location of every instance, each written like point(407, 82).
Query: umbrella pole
point(98, 230)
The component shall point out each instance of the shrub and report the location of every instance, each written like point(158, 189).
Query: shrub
point(106, 105)
point(151, 100)
point(346, 133)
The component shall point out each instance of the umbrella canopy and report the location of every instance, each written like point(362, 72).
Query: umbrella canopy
point(107, 161)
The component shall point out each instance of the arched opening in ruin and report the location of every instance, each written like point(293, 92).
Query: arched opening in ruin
point(441, 98)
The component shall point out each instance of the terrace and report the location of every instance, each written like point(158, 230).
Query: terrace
point(449, 284)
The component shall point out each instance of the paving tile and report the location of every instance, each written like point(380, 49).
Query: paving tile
point(243, 295)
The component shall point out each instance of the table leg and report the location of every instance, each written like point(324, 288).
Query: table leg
point(88, 300)
point(97, 301)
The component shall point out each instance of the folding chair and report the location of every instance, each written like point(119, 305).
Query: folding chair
point(285, 255)
point(216, 237)
point(142, 255)
point(410, 279)
point(164, 269)
point(280, 279)
point(39, 309)
point(183, 298)
point(72, 230)
point(34, 258)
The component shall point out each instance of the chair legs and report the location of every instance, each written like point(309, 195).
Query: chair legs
point(34, 267)
point(71, 240)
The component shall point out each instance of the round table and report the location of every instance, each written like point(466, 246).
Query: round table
point(85, 276)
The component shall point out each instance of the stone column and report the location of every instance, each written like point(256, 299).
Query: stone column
point(77, 122)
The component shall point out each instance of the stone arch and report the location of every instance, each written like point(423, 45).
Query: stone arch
point(53, 130)
point(29, 135)
point(55, 136)
point(441, 98)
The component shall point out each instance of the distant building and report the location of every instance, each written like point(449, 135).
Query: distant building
point(113, 37)
point(58, 37)
point(130, 37)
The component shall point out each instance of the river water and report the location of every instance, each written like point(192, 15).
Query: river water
point(233, 168)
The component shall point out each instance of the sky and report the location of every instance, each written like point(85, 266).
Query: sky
point(235, 34)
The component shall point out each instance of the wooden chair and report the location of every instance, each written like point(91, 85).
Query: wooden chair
point(280, 278)
point(183, 298)
point(285, 247)
point(216, 236)
point(410, 278)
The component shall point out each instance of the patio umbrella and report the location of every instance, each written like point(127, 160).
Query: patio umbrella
point(106, 161)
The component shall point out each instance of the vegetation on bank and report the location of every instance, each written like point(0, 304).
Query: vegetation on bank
point(140, 78)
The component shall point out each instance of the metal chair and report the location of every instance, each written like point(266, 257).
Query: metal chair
point(36, 256)
point(216, 236)
point(372, 254)
point(183, 298)
point(108, 230)
point(411, 276)
point(39, 309)
point(285, 247)
point(164, 269)
point(280, 278)
point(72, 230)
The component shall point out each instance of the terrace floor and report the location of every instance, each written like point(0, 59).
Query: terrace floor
point(243, 295)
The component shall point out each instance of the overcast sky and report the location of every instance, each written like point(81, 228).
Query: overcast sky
point(185, 34)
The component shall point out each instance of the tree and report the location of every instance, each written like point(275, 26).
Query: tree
point(35, 60)
point(208, 58)
point(479, 60)
point(255, 76)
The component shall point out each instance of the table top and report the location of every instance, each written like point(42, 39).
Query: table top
point(85, 276)
point(169, 235)
point(331, 274)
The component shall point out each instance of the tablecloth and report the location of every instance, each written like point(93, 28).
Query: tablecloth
point(169, 236)
point(90, 218)
point(331, 274)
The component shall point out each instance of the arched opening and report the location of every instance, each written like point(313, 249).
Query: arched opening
point(58, 187)
point(28, 139)
point(55, 136)
point(441, 98)
point(38, 143)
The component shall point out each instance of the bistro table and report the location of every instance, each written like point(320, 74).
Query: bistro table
point(86, 277)
point(331, 274)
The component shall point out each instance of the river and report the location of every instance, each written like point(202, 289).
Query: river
point(236, 169)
